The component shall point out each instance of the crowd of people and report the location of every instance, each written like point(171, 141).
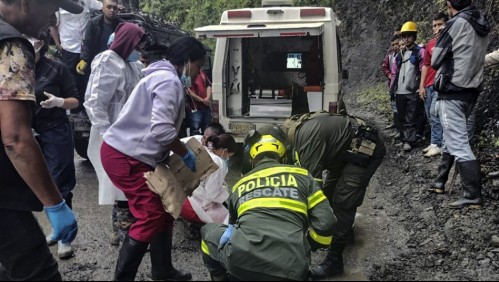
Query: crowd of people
point(303, 182)
point(442, 79)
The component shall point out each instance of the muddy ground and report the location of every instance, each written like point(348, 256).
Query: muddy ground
point(403, 232)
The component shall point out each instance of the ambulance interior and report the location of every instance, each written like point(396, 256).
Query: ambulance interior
point(274, 76)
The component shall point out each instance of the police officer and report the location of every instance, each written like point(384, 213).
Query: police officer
point(351, 152)
point(277, 215)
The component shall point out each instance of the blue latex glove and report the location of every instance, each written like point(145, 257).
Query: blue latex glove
point(226, 235)
point(190, 160)
point(63, 223)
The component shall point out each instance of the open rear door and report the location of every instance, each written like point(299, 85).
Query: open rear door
point(259, 30)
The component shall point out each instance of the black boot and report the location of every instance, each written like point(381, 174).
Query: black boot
point(131, 255)
point(332, 264)
point(471, 179)
point(438, 186)
point(217, 272)
point(161, 260)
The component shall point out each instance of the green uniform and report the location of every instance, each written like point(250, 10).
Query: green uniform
point(271, 208)
point(321, 143)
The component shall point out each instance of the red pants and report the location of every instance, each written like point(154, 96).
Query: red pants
point(189, 214)
point(127, 174)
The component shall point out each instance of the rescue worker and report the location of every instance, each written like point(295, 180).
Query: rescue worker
point(277, 215)
point(351, 152)
point(115, 73)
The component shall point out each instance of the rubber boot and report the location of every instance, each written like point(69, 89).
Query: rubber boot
point(471, 179)
point(332, 264)
point(131, 255)
point(161, 260)
point(443, 173)
point(217, 272)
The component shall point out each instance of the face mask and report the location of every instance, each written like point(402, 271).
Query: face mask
point(135, 56)
point(186, 79)
point(226, 160)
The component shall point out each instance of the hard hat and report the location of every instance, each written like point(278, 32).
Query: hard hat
point(268, 139)
point(409, 27)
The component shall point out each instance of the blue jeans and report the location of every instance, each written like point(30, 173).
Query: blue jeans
point(432, 115)
point(200, 120)
point(58, 149)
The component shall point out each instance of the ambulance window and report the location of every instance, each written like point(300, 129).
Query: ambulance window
point(338, 53)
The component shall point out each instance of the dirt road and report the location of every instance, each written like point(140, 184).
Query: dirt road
point(403, 232)
point(95, 258)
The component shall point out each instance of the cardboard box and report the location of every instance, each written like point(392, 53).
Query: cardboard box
point(174, 181)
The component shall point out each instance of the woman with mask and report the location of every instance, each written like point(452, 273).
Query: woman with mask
point(55, 92)
point(115, 72)
point(144, 134)
point(206, 203)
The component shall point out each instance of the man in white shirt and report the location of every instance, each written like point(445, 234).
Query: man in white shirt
point(68, 38)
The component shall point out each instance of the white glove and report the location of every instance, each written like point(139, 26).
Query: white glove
point(52, 101)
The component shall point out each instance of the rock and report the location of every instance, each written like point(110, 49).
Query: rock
point(485, 262)
point(439, 262)
point(496, 251)
point(426, 242)
point(494, 174)
point(465, 262)
point(494, 241)
point(495, 183)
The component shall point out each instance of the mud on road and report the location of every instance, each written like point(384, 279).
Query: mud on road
point(403, 232)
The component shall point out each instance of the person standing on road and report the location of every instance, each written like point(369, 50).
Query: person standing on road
point(26, 184)
point(426, 92)
point(150, 121)
point(68, 36)
point(97, 34)
point(390, 71)
point(278, 214)
point(409, 62)
point(55, 92)
point(459, 56)
point(351, 152)
point(115, 72)
point(200, 104)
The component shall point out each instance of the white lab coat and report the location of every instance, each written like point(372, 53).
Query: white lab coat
point(111, 83)
point(208, 198)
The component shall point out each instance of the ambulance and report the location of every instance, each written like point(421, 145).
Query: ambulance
point(273, 62)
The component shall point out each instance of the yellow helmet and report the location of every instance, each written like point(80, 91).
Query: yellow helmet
point(409, 27)
point(268, 139)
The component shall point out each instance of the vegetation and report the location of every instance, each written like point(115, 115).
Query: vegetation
point(375, 98)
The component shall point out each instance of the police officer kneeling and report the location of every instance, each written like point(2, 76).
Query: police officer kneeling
point(278, 214)
point(351, 151)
